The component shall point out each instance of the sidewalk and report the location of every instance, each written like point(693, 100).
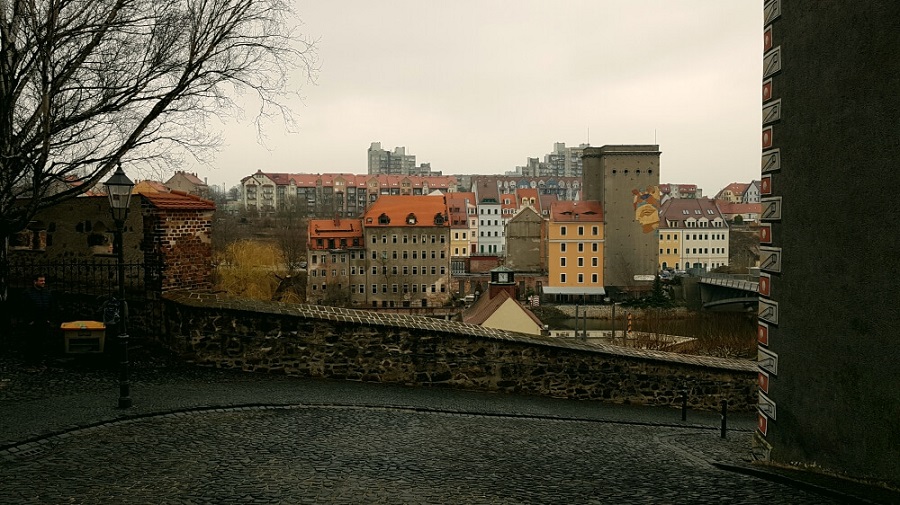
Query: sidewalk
point(41, 402)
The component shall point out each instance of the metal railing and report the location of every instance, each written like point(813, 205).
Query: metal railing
point(91, 277)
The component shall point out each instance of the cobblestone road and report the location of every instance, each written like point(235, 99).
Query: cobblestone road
point(322, 454)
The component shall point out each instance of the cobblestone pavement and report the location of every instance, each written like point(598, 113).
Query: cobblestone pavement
point(212, 436)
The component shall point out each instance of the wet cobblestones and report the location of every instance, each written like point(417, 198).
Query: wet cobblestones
point(200, 436)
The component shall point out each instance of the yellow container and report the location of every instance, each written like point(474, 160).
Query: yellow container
point(84, 337)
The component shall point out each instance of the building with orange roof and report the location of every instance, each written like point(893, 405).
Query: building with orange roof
point(575, 252)
point(733, 193)
point(693, 233)
point(335, 257)
point(331, 195)
point(407, 241)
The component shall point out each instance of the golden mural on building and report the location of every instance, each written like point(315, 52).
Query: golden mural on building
point(646, 208)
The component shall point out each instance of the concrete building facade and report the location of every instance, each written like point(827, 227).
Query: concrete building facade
point(625, 180)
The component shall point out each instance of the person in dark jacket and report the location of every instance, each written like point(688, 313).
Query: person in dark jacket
point(39, 312)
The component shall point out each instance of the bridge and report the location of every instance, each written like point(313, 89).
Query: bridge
point(724, 292)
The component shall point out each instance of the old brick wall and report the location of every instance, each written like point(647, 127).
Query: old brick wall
point(334, 343)
point(180, 241)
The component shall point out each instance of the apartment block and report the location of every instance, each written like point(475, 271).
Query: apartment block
point(407, 240)
point(693, 234)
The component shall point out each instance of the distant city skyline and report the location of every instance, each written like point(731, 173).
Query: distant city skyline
point(479, 87)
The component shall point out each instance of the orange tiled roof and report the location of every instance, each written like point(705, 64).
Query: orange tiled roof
point(178, 200)
point(563, 211)
point(399, 207)
point(331, 228)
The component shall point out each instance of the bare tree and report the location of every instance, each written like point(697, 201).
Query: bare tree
point(88, 84)
point(291, 233)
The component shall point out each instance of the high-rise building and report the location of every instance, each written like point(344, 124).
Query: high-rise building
point(625, 180)
point(396, 162)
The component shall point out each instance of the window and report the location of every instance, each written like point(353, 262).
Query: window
point(595, 247)
point(562, 247)
point(443, 270)
point(581, 262)
point(562, 262)
point(393, 288)
point(594, 278)
point(374, 270)
point(562, 278)
point(580, 278)
point(594, 262)
point(374, 289)
point(384, 239)
point(393, 239)
point(433, 270)
point(562, 230)
point(581, 230)
point(384, 288)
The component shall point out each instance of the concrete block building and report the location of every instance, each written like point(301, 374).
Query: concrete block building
point(625, 180)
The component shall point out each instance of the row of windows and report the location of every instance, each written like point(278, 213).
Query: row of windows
point(580, 277)
point(384, 271)
point(395, 288)
point(693, 236)
point(595, 230)
point(563, 247)
point(496, 222)
point(456, 235)
point(482, 211)
point(579, 262)
point(406, 238)
point(406, 255)
point(488, 234)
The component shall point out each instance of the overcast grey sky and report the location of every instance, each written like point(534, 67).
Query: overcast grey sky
point(479, 86)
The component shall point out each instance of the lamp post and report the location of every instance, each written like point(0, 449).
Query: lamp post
point(118, 187)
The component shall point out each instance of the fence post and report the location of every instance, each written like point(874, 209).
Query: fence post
point(724, 417)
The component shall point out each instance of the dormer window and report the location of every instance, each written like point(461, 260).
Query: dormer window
point(438, 219)
point(384, 219)
point(411, 219)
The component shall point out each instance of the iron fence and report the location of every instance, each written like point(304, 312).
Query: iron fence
point(96, 277)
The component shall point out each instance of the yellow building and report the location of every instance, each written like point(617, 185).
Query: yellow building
point(575, 255)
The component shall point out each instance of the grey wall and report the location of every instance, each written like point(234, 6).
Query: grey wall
point(337, 343)
point(837, 387)
point(611, 174)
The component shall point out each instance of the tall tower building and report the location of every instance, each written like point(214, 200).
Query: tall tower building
point(829, 384)
point(625, 180)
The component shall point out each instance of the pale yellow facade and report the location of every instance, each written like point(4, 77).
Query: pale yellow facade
point(510, 317)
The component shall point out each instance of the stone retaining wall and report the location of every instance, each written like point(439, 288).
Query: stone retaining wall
point(315, 341)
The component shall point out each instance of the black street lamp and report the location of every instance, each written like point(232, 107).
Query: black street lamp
point(118, 187)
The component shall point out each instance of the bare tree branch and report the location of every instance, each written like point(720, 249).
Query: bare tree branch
point(86, 84)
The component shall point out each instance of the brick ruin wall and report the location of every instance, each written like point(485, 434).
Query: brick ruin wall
point(327, 342)
point(181, 243)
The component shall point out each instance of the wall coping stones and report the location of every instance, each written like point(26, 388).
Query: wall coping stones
point(364, 317)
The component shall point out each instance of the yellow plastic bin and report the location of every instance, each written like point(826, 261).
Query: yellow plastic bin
point(84, 337)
